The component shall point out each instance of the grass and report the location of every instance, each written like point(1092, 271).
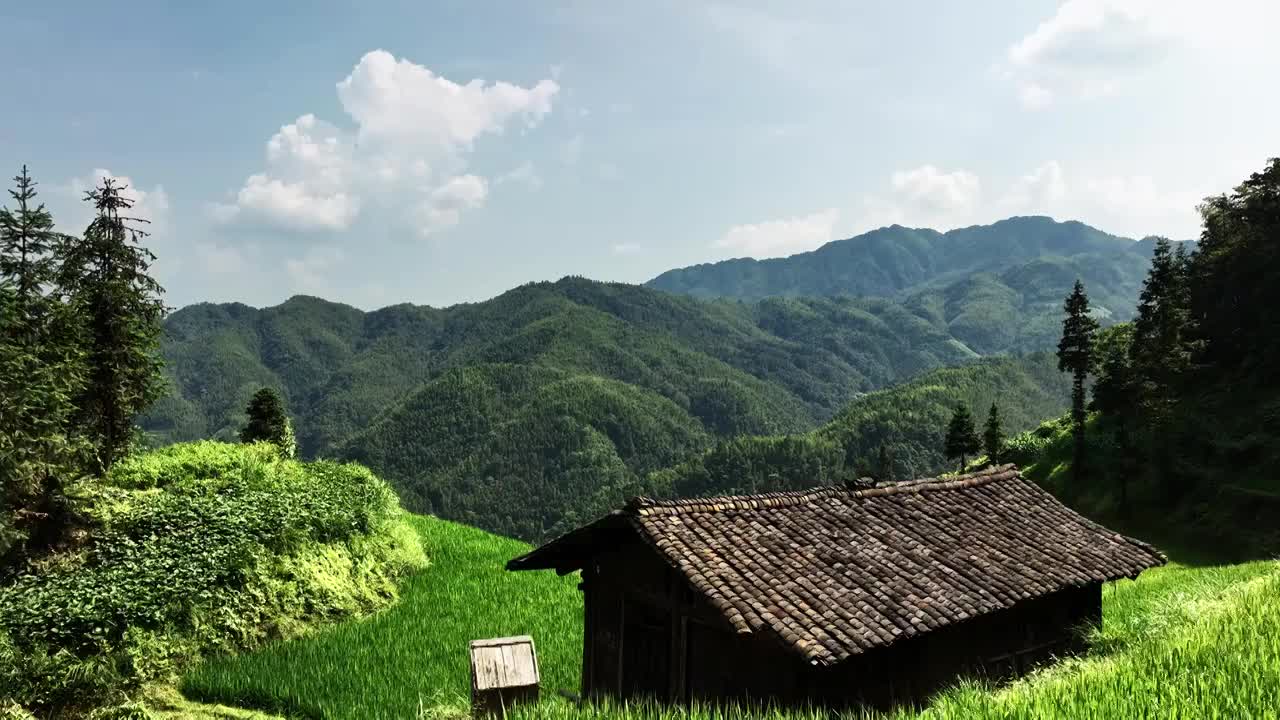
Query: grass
point(1182, 641)
point(412, 657)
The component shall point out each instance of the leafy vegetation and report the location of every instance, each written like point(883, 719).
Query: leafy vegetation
point(411, 660)
point(198, 548)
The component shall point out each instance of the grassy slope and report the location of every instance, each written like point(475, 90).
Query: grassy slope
point(1182, 641)
point(415, 654)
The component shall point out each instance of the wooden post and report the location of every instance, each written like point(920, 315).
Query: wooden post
point(504, 671)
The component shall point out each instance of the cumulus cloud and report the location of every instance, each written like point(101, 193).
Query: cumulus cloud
point(775, 238)
point(443, 208)
point(1091, 48)
point(934, 192)
point(149, 205)
point(405, 106)
point(412, 132)
point(1039, 191)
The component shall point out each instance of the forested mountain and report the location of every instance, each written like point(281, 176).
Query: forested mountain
point(521, 412)
point(506, 413)
point(776, 366)
point(896, 261)
point(534, 452)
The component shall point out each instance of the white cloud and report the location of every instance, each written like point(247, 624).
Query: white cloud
point(1092, 48)
point(292, 205)
point(776, 238)
point(149, 205)
point(443, 208)
point(1039, 191)
point(934, 192)
point(627, 249)
point(413, 130)
point(405, 106)
point(1136, 205)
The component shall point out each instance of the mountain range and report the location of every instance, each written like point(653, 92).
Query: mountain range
point(558, 389)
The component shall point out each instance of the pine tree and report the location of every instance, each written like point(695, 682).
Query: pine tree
point(105, 279)
point(268, 422)
point(1075, 355)
point(1234, 270)
point(1162, 329)
point(993, 436)
point(1115, 394)
point(39, 376)
point(962, 438)
point(27, 240)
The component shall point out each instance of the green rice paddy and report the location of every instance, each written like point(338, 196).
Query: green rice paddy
point(412, 658)
point(1181, 642)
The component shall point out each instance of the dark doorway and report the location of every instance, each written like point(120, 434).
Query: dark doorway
point(646, 643)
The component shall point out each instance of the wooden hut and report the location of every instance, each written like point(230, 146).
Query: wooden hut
point(836, 596)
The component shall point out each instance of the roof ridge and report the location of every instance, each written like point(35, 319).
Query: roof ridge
point(642, 506)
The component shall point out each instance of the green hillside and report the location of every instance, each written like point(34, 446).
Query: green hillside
point(527, 413)
point(896, 261)
point(532, 452)
point(517, 448)
point(1189, 640)
point(909, 420)
point(198, 549)
point(340, 368)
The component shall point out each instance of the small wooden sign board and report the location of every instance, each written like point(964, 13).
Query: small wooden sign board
point(504, 671)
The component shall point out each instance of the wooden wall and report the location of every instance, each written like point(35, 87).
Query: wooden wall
point(647, 634)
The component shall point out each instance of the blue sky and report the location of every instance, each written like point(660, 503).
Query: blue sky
point(443, 152)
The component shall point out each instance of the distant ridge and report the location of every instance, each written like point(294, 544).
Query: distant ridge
point(895, 260)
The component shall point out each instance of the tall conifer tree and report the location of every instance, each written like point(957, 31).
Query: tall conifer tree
point(27, 241)
point(105, 279)
point(1075, 355)
point(39, 376)
point(993, 436)
point(962, 438)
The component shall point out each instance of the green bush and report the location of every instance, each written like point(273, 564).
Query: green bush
point(197, 548)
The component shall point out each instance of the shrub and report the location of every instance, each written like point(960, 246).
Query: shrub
point(198, 548)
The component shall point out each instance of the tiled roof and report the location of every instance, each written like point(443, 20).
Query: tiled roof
point(834, 572)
